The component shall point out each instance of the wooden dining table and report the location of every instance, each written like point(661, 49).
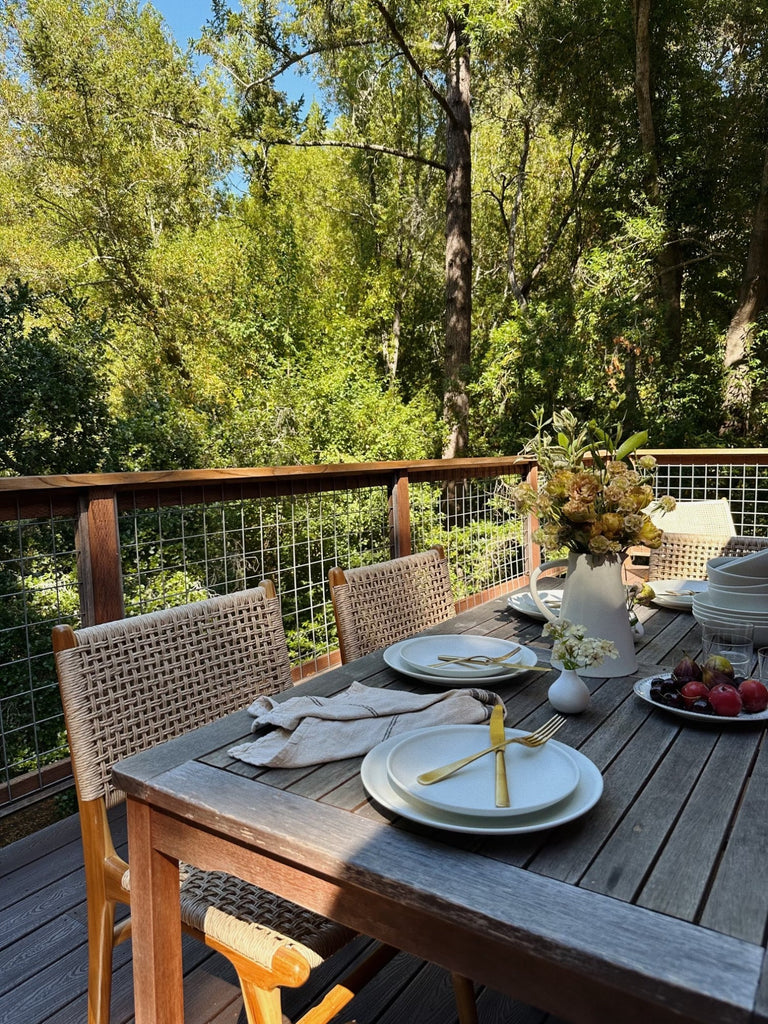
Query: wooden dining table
point(649, 908)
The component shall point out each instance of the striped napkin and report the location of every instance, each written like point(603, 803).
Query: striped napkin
point(313, 730)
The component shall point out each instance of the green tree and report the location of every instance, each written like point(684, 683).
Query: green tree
point(53, 390)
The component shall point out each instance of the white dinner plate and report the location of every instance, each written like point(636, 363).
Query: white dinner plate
point(643, 689)
point(423, 653)
point(521, 601)
point(393, 659)
point(537, 777)
point(668, 593)
point(373, 772)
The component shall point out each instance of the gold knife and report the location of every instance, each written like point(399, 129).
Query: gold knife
point(498, 735)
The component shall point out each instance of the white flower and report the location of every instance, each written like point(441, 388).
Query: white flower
point(575, 650)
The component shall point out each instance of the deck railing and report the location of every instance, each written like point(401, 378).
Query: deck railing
point(90, 548)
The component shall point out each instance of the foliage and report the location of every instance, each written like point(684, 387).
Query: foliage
point(53, 390)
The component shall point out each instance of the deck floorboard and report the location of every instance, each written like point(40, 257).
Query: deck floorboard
point(44, 956)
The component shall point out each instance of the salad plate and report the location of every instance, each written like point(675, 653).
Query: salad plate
point(423, 654)
point(527, 659)
point(538, 777)
point(521, 601)
point(374, 776)
point(677, 594)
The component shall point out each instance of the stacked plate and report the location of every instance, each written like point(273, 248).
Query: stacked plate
point(548, 785)
point(521, 601)
point(677, 594)
point(424, 657)
point(737, 594)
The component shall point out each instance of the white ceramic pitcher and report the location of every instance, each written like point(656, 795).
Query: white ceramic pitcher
point(594, 596)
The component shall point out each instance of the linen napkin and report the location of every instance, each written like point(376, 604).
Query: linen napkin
point(313, 730)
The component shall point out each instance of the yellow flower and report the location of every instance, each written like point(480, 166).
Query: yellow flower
point(649, 535)
point(559, 485)
point(641, 497)
point(585, 487)
point(609, 524)
point(600, 545)
point(579, 511)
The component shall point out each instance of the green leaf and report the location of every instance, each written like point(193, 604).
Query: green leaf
point(632, 444)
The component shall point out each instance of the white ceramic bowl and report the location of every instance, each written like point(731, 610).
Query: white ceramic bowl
point(727, 572)
point(755, 564)
point(733, 614)
point(739, 599)
point(740, 583)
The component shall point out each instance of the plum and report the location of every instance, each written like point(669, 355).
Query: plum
point(726, 700)
point(754, 695)
point(694, 690)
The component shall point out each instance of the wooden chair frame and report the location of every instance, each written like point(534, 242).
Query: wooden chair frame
point(107, 884)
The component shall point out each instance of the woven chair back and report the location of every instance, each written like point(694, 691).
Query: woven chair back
point(685, 556)
point(708, 517)
point(130, 684)
point(378, 605)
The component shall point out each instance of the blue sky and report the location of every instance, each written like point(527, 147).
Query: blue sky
point(185, 18)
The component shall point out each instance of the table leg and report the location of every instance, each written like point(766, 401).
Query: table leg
point(157, 967)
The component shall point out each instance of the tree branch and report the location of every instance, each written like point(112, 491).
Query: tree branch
point(369, 147)
point(405, 49)
point(297, 58)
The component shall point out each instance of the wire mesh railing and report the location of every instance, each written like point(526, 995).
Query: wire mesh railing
point(189, 536)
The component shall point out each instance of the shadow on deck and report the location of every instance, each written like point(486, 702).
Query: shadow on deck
point(44, 964)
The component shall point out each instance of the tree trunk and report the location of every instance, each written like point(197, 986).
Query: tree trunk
point(458, 241)
point(669, 260)
point(752, 300)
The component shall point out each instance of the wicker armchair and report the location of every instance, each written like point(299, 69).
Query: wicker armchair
point(130, 684)
point(377, 605)
point(685, 555)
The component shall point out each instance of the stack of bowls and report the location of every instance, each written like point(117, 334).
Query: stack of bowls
point(737, 594)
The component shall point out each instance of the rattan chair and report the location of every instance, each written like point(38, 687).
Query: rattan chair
point(130, 684)
point(699, 525)
point(377, 605)
point(685, 555)
point(712, 517)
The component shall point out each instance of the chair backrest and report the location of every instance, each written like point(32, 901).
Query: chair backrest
point(130, 684)
point(377, 605)
point(685, 555)
point(697, 517)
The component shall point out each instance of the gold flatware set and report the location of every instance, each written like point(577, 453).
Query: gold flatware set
point(534, 739)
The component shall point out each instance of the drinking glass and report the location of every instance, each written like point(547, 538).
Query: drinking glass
point(762, 665)
point(734, 643)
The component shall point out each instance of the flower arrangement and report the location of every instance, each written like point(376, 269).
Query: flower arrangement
point(573, 649)
point(595, 498)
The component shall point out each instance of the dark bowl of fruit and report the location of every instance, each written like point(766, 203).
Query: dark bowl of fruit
point(711, 691)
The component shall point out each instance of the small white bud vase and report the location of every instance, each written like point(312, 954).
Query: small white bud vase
point(569, 693)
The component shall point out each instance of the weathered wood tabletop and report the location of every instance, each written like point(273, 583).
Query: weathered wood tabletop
point(650, 907)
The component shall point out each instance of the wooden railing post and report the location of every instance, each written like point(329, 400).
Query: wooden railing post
point(399, 515)
point(532, 551)
point(99, 568)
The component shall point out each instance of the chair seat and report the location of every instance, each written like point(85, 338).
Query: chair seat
point(251, 921)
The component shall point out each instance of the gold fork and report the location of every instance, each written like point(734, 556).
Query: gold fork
point(534, 739)
point(478, 659)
